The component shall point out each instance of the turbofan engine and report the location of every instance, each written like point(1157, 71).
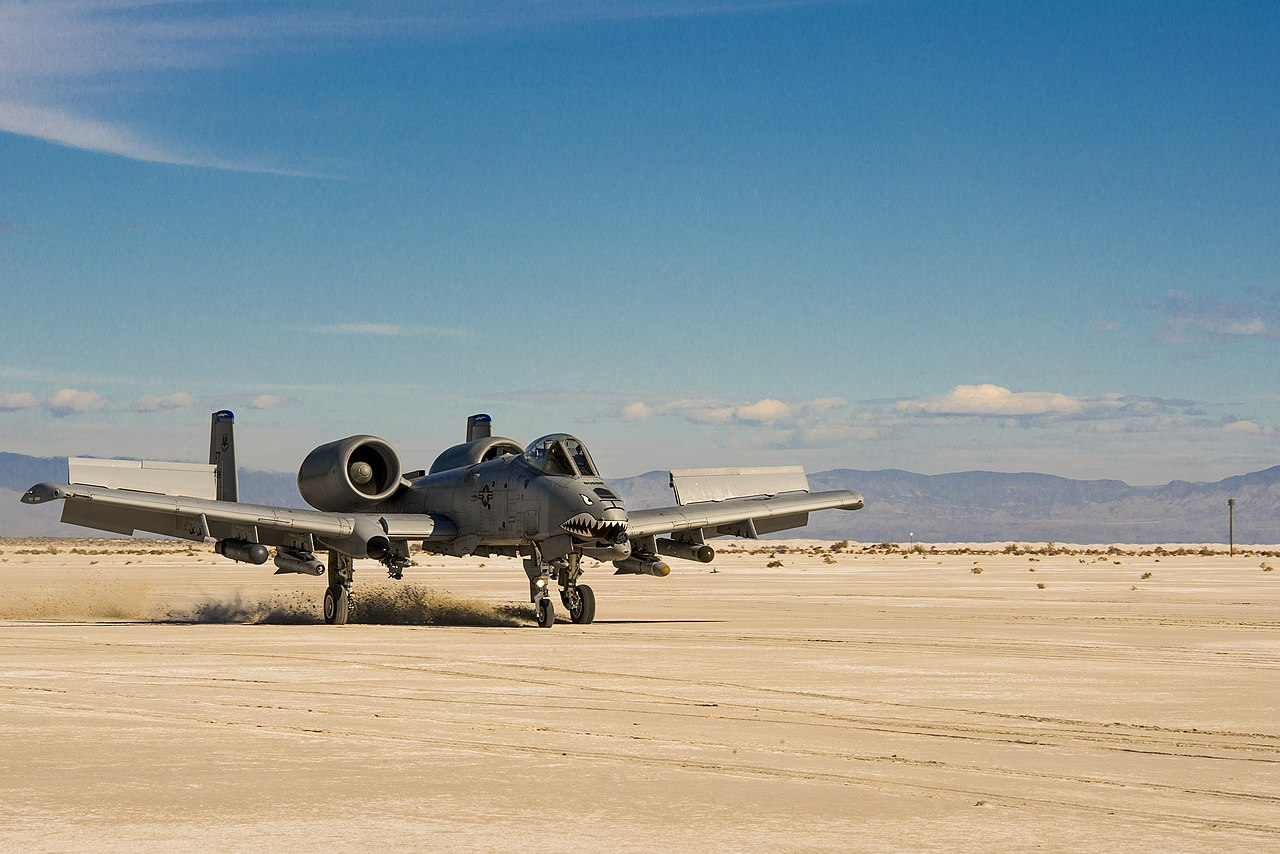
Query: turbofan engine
point(349, 474)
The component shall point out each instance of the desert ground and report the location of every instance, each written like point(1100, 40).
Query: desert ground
point(849, 697)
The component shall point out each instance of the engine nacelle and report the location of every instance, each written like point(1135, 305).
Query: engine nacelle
point(349, 474)
point(475, 451)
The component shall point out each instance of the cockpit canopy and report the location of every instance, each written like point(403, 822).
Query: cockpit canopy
point(561, 454)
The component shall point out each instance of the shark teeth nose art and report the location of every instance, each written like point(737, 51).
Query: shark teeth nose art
point(589, 527)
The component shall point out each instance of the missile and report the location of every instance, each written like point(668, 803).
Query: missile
point(686, 551)
point(243, 551)
point(303, 563)
point(643, 565)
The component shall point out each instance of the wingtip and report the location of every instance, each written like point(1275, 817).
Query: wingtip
point(42, 492)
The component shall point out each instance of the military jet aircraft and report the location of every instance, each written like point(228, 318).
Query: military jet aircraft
point(545, 502)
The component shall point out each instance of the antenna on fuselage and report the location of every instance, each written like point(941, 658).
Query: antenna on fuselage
point(479, 427)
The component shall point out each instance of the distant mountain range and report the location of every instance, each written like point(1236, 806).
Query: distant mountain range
point(973, 506)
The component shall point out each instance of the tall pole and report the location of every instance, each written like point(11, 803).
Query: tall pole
point(1231, 525)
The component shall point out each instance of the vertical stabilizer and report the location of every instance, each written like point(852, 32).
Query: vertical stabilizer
point(222, 454)
point(479, 427)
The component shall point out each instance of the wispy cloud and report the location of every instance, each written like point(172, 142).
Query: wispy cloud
point(155, 403)
point(55, 55)
point(773, 423)
point(1198, 319)
point(989, 401)
point(392, 330)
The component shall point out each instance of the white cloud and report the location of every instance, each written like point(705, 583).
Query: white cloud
point(20, 400)
point(764, 411)
point(267, 401)
point(994, 400)
point(770, 422)
point(69, 401)
point(152, 403)
point(1246, 428)
point(637, 411)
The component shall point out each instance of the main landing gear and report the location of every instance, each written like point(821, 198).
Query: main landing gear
point(579, 599)
point(338, 606)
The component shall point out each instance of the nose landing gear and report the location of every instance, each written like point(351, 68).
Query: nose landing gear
point(579, 599)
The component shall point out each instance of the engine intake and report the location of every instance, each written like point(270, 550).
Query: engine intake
point(350, 474)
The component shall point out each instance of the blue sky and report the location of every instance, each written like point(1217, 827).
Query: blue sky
point(935, 236)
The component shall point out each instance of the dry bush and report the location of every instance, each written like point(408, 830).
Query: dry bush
point(773, 564)
point(1040, 586)
point(977, 570)
point(1146, 575)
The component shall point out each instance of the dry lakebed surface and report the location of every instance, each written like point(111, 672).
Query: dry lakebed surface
point(847, 697)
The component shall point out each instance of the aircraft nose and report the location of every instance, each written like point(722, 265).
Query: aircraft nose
point(610, 525)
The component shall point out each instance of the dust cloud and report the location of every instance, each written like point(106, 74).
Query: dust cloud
point(417, 605)
point(375, 604)
point(115, 601)
point(382, 605)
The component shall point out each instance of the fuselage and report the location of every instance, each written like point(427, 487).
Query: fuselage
point(508, 501)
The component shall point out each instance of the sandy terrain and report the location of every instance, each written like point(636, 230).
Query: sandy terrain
point(864, 701)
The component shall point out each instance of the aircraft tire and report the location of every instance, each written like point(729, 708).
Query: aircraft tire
point(336, 605)
point(546, 613)
point(586, 610)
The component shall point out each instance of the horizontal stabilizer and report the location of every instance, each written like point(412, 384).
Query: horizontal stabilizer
point(192, 479)
point(694, 486)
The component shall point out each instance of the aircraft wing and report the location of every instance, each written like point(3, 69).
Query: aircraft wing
point(740, 517)
point(124, 511)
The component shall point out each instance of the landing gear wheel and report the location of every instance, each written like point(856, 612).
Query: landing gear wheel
point(336, 605)
point(546, 613)
point(583, 611)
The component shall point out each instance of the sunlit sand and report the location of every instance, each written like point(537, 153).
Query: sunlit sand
point(955, 696)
